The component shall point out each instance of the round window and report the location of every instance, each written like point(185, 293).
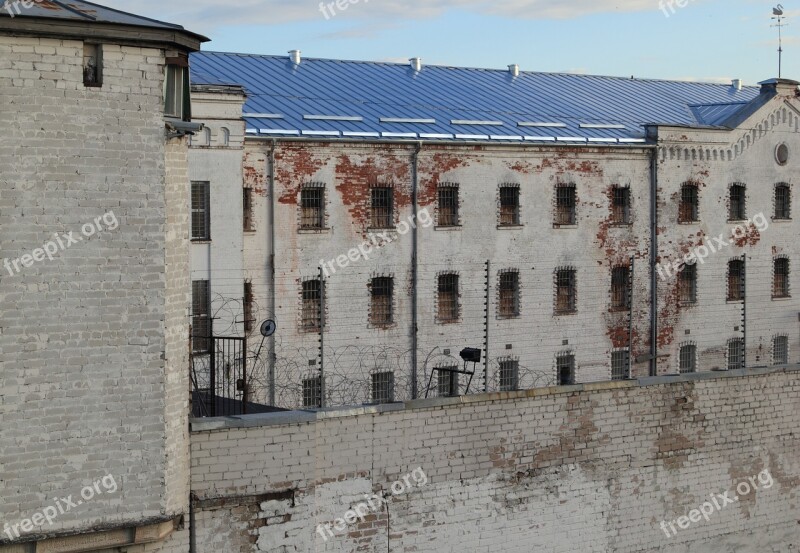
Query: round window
point(782, 154)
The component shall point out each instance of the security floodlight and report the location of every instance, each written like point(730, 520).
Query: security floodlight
point(471, 355)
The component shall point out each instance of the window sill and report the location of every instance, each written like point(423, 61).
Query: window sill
point(687, 303)
point(782, 220)
point(619, 309)
point(381, 229)
point(620, 225)
point(736, 221)
point(508, 317)
point(734, 301)
point(781, 298)
point(560, 226)
point(313, 230)
point(689, 222)
point(448, 322)
point(201, 240)
point(510, 227)
point(249, 231)
point(565, 313)
point(448, 228)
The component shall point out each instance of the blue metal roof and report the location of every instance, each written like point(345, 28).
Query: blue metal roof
point(369, 100)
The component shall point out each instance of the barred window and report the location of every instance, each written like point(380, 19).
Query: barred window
point(783, 202)
point(620, 288)
point(689, 208)
point(566, 291)
point(509, 205)
point(447, 381)
point(737, 207)
point(735, 280)
point(509, 375)
point(780, 278)
point(383, 387)
point(448, 206)
point(780, 350)
point(688, 359)
point(248, 307)
point(312, 205)
point(687, 284)
point(201, 192)
point(382, 291)
point(619, 365)
point(382, 208)
point(201, 316)
point(621, 205)
point(247, 209)
point(312, 304)
point(565, 204)
point(312, 392)
point(509, 294)
point(735, 354)
point(448, 301)
point(565, 368)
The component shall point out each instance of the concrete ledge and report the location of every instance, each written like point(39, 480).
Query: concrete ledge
point(296, 417)
point(94, 541)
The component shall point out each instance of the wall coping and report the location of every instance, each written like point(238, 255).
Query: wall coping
point(198, 425)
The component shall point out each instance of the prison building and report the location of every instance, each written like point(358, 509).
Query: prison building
point(387, 216)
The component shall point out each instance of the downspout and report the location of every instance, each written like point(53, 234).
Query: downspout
point(192, 532)
point(271, 278)
point(414, 268)
point(653, 262)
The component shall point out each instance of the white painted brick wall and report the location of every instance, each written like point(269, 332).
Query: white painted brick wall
point(549, 471)
point(93, 345)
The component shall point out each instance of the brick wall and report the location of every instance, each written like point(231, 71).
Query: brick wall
point(592, 468)
point(93, 344)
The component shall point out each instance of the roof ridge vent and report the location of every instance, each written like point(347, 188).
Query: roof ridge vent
point(416, 64)
point(514, 70)
point(295, 56)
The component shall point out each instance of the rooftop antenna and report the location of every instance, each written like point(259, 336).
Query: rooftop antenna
point(777, 14)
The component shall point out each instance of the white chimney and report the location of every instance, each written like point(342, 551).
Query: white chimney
point(295, 56)
point(514, 69)
point(737, 84)
point(416, 63)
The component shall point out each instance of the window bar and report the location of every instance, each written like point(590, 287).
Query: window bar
point(321, 337)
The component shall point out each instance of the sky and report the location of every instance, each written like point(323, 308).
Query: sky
point(709, 40)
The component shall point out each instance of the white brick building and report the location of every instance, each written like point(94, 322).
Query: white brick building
point(552, 200)
point(94, 289)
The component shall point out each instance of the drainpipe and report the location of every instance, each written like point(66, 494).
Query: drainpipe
point(414, 268)
point(192, 533)
point(271, 280)
point(653, 262)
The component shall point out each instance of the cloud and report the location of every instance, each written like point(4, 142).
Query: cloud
point(206, 15)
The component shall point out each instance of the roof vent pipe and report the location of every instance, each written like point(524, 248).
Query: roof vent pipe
point(514, 70)
point(295, 56)
point(737, 84)
point(416, 63)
